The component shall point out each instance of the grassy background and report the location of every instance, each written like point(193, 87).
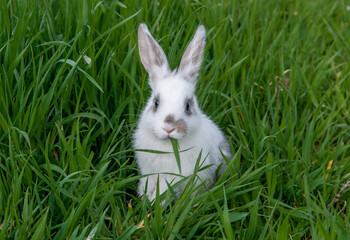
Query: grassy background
point(275, 78)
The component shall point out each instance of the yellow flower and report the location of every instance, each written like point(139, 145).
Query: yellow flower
point(329, 167)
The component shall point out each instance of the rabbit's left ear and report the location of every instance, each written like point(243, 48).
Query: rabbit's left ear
point(152, 55)
point(192, 59)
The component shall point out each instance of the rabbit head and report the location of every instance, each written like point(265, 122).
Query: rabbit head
point(172, 110)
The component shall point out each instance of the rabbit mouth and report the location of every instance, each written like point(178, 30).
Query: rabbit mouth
point(170, 133)
point(169, 130)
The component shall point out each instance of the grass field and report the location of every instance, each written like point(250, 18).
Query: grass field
point(275, 78)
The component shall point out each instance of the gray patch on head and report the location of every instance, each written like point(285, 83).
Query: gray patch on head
point(180, 125)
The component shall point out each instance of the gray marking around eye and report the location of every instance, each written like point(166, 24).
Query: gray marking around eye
point(191, 102)
point(154, 108)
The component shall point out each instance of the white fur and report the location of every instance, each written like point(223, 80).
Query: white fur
point(173, 88)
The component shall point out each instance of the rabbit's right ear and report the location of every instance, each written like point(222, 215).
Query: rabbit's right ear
point(192, 59)
point(152, 55)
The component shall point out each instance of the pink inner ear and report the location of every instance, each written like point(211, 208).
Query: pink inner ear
point(152, 55)
point(192, 58)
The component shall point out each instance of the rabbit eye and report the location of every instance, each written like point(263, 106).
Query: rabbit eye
point(155, 103)
point(188, 107)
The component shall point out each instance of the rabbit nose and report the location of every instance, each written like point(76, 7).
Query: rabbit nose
point(169, 130)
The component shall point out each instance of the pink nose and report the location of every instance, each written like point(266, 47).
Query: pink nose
point(169, 130)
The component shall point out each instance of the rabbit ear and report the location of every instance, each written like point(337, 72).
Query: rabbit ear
point(192, 58)
point(152, 55)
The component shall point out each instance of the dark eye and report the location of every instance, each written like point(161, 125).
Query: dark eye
point(188, 107)
point(156, 103)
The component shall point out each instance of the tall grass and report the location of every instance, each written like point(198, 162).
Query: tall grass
point(275, 78)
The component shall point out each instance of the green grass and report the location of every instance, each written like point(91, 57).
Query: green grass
point(275, 78)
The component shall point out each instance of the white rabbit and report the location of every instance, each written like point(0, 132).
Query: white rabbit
point(172, 112)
